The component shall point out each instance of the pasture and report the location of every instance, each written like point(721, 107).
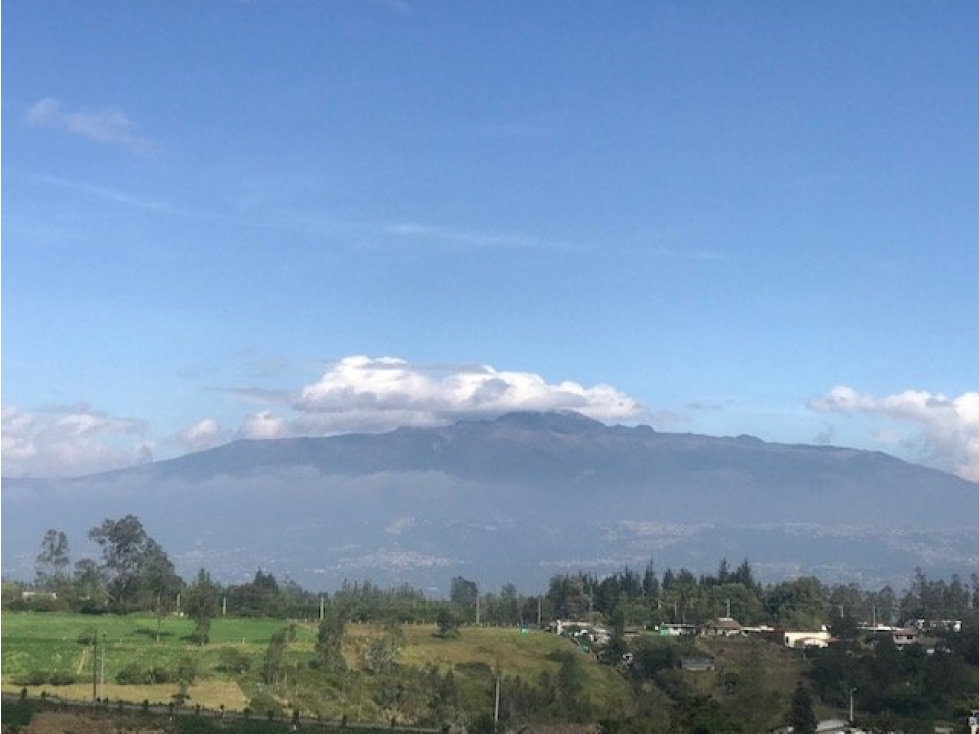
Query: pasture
point(42, 649)
point(55, 652)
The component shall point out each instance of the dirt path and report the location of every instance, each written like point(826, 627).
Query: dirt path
point(82, 659)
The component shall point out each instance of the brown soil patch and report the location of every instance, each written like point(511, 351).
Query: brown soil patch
point(51, 722)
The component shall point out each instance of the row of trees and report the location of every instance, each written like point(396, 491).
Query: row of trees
point(134, 572)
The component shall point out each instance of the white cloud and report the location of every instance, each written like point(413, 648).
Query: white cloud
point(263, 425)
point(202, 435)
point(364, 393)
point(948, 428)
point(110, 125)
point(355, 394)
point(69, 441)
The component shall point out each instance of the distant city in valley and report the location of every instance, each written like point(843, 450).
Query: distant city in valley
point(515, 500)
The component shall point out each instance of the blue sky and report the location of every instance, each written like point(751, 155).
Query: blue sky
point(262, 218)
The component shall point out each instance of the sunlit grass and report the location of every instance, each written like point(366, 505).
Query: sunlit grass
point(228, 667)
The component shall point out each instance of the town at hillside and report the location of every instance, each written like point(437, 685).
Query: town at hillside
point(633, 651)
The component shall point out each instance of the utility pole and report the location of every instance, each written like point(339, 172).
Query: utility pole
point(852, 691)
point(496, 706)
point(102, 669)
point(95, 666)
point(477, 605)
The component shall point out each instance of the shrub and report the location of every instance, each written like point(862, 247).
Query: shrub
point(86, 638)
point(62, 678)
point(33, 678)
point(158, 674)
point(17, 713)
point(130, 675)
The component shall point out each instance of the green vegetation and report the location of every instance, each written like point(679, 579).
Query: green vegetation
point(128, 629)
point(410, 674)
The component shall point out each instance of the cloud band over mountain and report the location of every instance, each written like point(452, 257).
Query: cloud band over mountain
point(361, 394)
point(947, 428)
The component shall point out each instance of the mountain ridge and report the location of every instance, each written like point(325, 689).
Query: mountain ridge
point(531, 491)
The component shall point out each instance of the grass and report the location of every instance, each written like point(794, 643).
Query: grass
point(227, 667)
point(51, 643)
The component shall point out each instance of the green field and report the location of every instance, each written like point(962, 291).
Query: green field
point(41, 645)
point(57, 647)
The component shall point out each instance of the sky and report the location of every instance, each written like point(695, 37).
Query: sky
point(254, 219)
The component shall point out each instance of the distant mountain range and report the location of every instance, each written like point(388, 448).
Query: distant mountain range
point(517, 499)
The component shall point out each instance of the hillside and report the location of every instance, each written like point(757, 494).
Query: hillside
point(512, 500)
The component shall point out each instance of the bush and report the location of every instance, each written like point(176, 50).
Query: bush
point(33, 678)
point(233, 661)
point(130, 675)
point(17, 713)
point(133, 675)
point(265, 702)
point(62, 678)
point(86, 638)
point(158, 674)
point(187, 670)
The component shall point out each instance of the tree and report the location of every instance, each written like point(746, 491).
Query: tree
point(274, 663)
point(160, 580)
point(329, 640)
point(568, 597)
point(801, 716)
point(571, 687)
point(128, 554)
point(53, 560)
point(447, 622)
point(88, 584)
point(464, 594)
point(383, 651)
point(202, 606)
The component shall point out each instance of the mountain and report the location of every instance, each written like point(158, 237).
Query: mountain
point(516, 498)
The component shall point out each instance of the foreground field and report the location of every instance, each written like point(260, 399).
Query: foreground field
point(41, 650)
point(53, 652)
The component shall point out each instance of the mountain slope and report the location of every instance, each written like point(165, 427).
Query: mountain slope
point(516, 498)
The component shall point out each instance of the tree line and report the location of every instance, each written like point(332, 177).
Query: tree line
point(135, 573)
point(910, 687)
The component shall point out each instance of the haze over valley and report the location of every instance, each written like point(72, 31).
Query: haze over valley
point(404, 290)
point(517, 499)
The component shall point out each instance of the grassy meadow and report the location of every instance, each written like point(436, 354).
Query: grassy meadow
point(56, 646)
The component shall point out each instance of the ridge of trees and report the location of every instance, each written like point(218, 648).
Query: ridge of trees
point(863, 668)
point(135, 573)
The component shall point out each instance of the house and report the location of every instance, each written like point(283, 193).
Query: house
point(905, 636)
point(696, 664)
point(806, 639)
point(827, 726)
point(49, 595)
point(722, 627)
point(675, 630)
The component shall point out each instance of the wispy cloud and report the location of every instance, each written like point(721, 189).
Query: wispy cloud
point(110, 125)
point(947, 429)
point(112, 195)
point(204, 434)
point(70, 441)
point(471, 239)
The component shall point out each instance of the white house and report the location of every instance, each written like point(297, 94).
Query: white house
point(806, 639)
